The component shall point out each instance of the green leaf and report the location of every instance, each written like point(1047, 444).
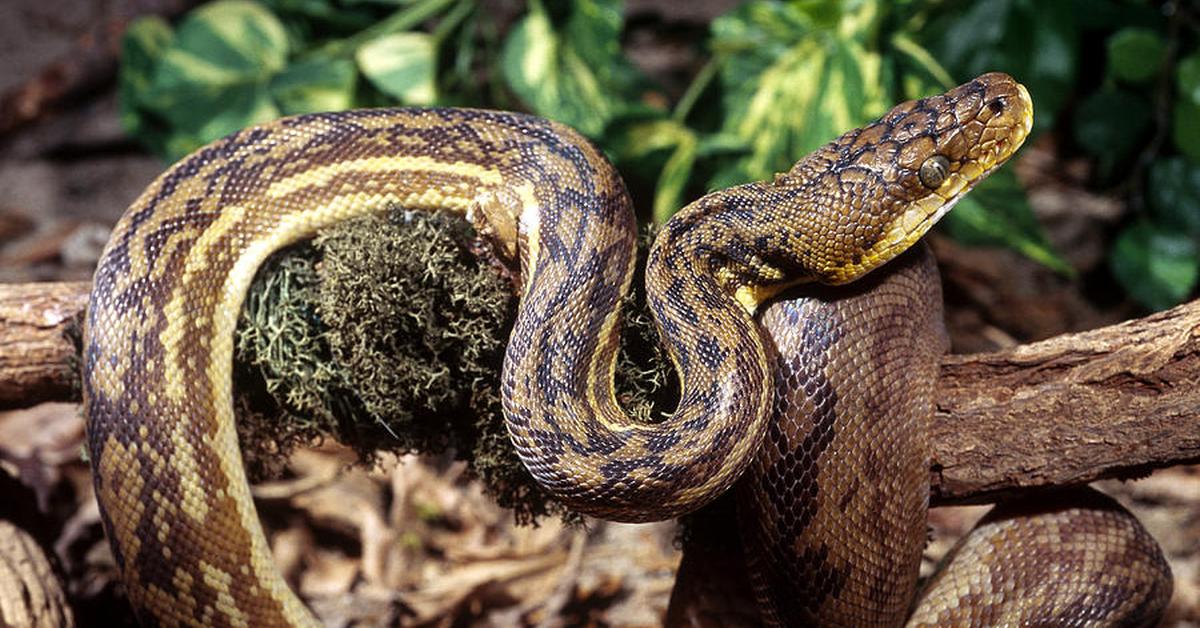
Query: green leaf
point(402, 20)
point(1156, 265)
point(315, 85)
point(402, 65)
point(920, 57)
point(998, 213)
point(573, 72)
point(718, 144)
point(1188, 78)
point(1185, 129)
point(226, 42)
point(213, 77)
point(384, 2)
point(790, 86)
point(143, 44)
point(1174, 194)
point(1110, 124)
point(1037, 42)
point(1135, 54)
point(654, 144)
point(230, 110)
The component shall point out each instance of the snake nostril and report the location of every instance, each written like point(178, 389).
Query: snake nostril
point(997, 105)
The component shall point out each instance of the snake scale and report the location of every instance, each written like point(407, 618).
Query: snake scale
point(159, 329)
point(851, 399)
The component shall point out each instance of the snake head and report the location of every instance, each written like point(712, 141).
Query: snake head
point(897, 176)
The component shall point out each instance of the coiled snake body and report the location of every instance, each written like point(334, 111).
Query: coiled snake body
point(159, 329)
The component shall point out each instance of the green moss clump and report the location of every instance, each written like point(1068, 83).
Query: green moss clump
point(282, 372)
point(388, 333)
point(418, 326)
point(415, 324)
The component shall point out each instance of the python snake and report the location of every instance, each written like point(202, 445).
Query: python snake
point(159, 329)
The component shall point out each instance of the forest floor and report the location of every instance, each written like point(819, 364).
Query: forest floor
point(414, 540)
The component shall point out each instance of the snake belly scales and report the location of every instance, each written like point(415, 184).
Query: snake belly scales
point(157, 352)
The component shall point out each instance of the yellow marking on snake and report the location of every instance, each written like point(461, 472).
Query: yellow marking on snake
point(321, 176)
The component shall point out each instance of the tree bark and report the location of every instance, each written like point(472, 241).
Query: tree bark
point(38, 356)
point(30, 592)
point(1118, 401)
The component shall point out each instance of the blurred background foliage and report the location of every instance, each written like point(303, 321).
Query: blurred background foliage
point(1116, 80)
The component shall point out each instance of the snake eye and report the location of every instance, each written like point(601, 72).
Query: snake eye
point(933, 172)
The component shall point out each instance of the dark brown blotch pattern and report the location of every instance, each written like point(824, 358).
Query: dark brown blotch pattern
point(833, 509)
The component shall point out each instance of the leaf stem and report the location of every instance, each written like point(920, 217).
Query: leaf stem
point(399, 21)
point(451, 21)
point(692, 94)
point(905, 44)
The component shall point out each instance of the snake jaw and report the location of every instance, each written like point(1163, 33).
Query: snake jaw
point(919, 219)
point(925, 213)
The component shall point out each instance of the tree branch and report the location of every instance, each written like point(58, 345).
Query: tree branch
point(91, 63)
point(39, 360)
point(1118, 401)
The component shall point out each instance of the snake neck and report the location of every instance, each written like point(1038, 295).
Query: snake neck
point(857, 202)
point(558, 379)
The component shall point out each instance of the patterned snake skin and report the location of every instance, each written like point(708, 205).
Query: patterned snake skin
point(852, 400)
point(1070, 558)
point(159, 329)
point(854, 393)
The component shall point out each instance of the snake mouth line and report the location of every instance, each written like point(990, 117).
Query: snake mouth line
point(914, 229)
point(1011, 123)
point(919, 219)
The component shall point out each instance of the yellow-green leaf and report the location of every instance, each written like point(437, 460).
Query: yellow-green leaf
point(212, 79)
point(673, 179)
point(997, 212)
point(402, 65)
point(793, 83)
point(571, 71)
point(315, 85)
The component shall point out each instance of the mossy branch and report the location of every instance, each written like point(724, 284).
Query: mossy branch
point(389, 334)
